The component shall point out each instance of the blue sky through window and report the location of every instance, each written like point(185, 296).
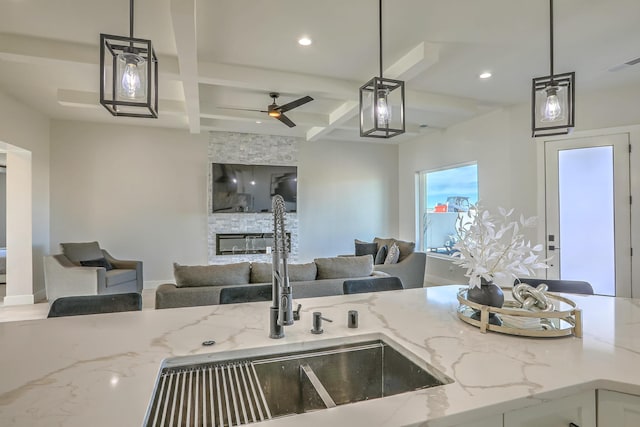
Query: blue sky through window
point(460, 181)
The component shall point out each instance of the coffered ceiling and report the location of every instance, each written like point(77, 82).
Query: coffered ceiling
point(215, 55)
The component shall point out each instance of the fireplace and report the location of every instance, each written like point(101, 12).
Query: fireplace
point(246, 243)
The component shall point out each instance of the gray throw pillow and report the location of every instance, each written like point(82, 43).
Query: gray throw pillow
point(365, 248)
point(260, 272)
point(381, 255)
point(211, 275)
point(302, 272)
point(393, 255)
point(406, 248)
point(344, 267)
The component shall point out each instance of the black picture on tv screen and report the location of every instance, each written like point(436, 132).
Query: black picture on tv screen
point(249, 188)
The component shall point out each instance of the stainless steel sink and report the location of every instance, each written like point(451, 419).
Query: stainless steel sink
point(235, 388)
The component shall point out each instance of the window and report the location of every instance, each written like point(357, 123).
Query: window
point(443, 195)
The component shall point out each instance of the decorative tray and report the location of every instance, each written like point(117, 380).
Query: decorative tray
point(564, 320)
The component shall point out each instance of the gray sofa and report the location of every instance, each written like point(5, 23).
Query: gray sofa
point(201, 285)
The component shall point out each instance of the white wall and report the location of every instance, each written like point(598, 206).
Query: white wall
point(510, 166)
point(142, 193)
point(347, 191)
point(139, 191)
point(27, 129)
point(3, 209)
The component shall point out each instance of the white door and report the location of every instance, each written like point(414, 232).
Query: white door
point(588, 212)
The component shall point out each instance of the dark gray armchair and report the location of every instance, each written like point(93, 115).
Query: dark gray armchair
point(86, 269)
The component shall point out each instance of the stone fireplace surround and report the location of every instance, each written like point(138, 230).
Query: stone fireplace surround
point(244, 148)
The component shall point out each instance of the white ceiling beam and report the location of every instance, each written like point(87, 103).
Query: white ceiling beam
point(412, 63)
point(76, 98)
point(35, 50)
point(336, 118)
point(261, 79)
point(183, 18)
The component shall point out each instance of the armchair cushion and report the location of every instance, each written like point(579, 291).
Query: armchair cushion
point(116, 277)
point(77, 252)
point(100, 262)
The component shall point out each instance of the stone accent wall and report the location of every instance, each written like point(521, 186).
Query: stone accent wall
point(245, 148)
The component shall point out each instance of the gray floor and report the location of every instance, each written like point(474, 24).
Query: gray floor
point(14, 313)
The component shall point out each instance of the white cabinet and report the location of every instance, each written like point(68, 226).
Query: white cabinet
point(495, 421)
point(579, 409)
point(618, 409)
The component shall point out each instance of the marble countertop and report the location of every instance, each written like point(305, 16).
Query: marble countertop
point(100, 370)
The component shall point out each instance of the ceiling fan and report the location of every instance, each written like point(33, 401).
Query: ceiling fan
point(277, 111)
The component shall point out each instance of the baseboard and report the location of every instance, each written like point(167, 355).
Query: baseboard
point(18, 299)
point(153, 284)
point(40, 295)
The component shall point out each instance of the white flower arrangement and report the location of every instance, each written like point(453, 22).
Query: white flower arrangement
point(493, 249)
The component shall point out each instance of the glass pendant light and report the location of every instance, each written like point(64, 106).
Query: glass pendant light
point(552, 99)
point(382, 101)
point(132, 72)
point(129, 74)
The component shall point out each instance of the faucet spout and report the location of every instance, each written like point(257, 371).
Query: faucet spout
point(281, 311)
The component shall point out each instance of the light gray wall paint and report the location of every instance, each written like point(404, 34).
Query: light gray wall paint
point(28, 129)
point(3, 210)
point(510, 166)
point(348, 190)
point(142, 193)
point(139, 191)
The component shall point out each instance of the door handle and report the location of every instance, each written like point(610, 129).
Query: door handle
point(573, 425)
point(553, 248)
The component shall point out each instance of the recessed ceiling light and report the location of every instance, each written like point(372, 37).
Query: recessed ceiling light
point(258, 121)
point(485, 75)
point(304, 41)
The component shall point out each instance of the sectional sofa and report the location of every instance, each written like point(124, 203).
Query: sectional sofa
point(201, 285)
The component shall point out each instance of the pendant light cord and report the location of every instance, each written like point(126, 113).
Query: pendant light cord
point(131, 19)
point(551, 39)
point(380, 32)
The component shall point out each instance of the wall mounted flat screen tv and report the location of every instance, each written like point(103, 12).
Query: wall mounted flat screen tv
point(249, 188)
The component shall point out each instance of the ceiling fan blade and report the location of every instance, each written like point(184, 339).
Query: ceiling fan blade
point(286, 120)
point(242, 109)
point(293, 104)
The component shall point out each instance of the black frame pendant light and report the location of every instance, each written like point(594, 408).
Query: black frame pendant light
point(128, 74)
point(382, 101)
point(552, 98)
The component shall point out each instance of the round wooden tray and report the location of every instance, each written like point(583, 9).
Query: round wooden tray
point(557, 323)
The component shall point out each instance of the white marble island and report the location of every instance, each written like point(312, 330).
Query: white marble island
point(100, 370)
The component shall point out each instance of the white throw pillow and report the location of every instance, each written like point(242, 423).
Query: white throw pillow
point(393, 255)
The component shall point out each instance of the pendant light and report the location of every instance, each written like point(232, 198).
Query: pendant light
point(128, 74)
point(382, 101)
point(552, 98)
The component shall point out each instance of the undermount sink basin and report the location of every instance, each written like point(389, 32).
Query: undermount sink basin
point(241, 387)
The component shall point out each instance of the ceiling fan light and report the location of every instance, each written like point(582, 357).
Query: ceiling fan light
point(274, 113)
